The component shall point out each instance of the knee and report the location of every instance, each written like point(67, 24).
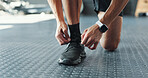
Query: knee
point(111, 46)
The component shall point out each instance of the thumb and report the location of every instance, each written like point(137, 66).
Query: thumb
point(82, 36)
point(65, 31)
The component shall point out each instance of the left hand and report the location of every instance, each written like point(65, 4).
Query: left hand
point(91, 37)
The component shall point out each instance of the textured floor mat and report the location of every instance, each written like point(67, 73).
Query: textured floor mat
point(31, 51)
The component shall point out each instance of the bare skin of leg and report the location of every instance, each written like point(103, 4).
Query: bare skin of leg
point(111, 38)
point(72, 10)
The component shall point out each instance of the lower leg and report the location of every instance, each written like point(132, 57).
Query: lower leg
point(111, 38)
point(75, 51)
point(72, 12)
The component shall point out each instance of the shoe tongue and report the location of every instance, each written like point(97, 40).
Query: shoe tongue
point(75, 45)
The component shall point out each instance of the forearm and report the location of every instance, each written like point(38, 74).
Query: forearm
point(56, 6)
point(115, 8)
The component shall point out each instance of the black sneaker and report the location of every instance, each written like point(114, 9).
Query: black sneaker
point(73, 54)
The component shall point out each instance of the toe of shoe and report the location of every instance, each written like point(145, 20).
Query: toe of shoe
point(68, 61)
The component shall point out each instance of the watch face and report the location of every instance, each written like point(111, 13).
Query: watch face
point(103, 28)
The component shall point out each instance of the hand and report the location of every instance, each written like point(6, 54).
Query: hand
point(62, 33)
point(91, 37)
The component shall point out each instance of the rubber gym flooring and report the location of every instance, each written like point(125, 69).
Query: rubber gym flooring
point(30, 50)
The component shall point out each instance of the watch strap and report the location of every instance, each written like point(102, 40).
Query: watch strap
point(99, 23)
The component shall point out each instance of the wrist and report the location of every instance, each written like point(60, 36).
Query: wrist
point(60, 22)
point(98, 28)
point(102, 27)
point(106, 22)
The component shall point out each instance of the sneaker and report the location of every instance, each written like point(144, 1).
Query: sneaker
point(73, 54)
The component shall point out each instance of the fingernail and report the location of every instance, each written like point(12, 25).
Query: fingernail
point(69, 39)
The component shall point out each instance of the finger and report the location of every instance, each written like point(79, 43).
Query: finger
point(62, 40)
point(66, 34)
point(91, 44)
point(94, 46)
point(89, 41)
point(84, 39)
point(82, 36)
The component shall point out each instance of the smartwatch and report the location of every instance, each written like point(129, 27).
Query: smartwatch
point(102, 27)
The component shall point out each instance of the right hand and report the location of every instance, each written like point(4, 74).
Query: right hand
point(62, 33)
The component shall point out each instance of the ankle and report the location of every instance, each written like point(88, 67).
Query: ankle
point(75, 34)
